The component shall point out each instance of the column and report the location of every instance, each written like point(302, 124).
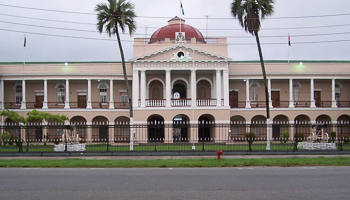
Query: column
point(89, 131)
point(89, 106)
point(218, 88)
point(2, 97)
point(143, 88)
point(45, 95)
point(66, 103)
point(269, 90)
point(312, 97)
point(247, 101)
point(23, 103)
point(135, 88)
point(167, 88)
point(111, 93)
point(193, 87)
point(334, 102)
point(291, 100)
point(226, 83)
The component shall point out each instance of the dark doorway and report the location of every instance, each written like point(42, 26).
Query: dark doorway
point(103, 132)
point(275, 97)
point(180, 128)
point(39, 101)
point(317, 95)
point(181, 89)
point(38, 133)
point(233, 99)
point(81, 101)
point(204, 128)
point(156, 129)
point(276, 129)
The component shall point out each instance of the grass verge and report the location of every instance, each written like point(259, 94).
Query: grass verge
point(176, 163)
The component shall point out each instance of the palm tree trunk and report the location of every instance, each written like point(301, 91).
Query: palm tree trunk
point(264, 75)
point(124, 73)
point(268, 134)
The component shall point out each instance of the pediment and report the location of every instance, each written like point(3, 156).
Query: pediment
point(180, 53)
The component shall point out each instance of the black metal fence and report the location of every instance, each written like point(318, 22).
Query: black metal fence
point(174, 137)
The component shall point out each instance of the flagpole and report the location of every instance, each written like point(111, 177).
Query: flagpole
point(24, 51)
point(288, 46)
point(180, 14)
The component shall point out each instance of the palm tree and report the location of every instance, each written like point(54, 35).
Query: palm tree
point(248, 12)
point(111, 17)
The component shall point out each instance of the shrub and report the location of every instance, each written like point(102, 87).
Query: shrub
point(5, 137)
point(81, 139)
point(300, 137)
point(346, 138)
point(285, 137)
point(250, 136)
point(56, 140)
point(332, 136)
point(18, 141)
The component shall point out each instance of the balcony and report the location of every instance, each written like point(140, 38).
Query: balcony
point(72, 105)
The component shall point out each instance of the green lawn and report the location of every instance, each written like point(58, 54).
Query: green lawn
point(166, 147)
point(170, 163)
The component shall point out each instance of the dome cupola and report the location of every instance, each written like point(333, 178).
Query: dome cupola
point(170, 30)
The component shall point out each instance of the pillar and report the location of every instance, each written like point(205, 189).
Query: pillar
point(226, 83)
point(23, 103)
point(45, 106)
point(167, 87)
point(66, 103)
point(111, 93)
point(247, 100)
point(218, 88)
point(193, 87)
point(135, 88)
point(291, 100)
point(334, 102)
point(88, 105)
point(143, 88)
point(312, 95)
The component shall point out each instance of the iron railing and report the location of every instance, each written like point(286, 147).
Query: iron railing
point(175, 137)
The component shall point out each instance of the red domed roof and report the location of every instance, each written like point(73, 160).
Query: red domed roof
point(173, 27)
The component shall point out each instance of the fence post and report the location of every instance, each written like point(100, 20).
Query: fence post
point(295, 148)
point(108, 139)
point(341, 137)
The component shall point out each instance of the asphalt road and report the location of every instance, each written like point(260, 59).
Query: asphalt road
point(178, 183)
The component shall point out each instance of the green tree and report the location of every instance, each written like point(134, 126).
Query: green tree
point(32, 116)
point(112, 16)
point(248, 13)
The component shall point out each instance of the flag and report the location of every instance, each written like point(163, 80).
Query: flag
point(289, 41)
point(25, 41)
point(183, 12)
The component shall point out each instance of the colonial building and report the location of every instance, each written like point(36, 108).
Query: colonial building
point(180, 77)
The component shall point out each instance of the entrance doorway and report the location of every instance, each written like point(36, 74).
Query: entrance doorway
point(275, 97)
point(180, 128)
point(81, 101)
point(39, 101)
point(156, 129)
point(317, 95)
point(206, 126)
point(233, 99)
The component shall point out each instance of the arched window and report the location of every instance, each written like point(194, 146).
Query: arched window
point(18, 94)
point(254, 92)
point(296, 88)
point(176, 95)
point(61, 91)
point(103, 93)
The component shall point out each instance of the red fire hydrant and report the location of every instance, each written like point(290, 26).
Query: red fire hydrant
point(218, 153)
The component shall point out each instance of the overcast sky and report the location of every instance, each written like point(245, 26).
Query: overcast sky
point(319, 29)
